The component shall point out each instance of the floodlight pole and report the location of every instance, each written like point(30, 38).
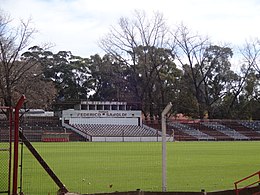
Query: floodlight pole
point(164, 167)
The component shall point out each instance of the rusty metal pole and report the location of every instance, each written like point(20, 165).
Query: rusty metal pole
point(16, 142)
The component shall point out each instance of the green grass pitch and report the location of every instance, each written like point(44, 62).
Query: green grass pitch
point(89, 167)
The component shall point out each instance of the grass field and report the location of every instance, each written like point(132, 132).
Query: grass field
point(89, 167)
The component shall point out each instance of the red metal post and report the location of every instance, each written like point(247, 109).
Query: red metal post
point(258, 177)
point(237, 191)
point(16, 142)
point(248, 185)
point(10, 146)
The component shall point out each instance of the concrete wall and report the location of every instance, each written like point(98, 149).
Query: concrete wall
point(248, 191)
point(124, 139)
point(129, 139)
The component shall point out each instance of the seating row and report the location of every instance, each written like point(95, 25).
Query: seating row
point(114, 130)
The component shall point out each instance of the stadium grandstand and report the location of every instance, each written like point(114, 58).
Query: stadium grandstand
point(215, 130)
point(108, 121)
point(117, 121)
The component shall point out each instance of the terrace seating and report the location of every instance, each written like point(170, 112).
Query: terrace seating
point(254, 125)
point(154, 131)
point(156, 126)
point(32, 134)
point(177, 134)
point(212, 132)
point(252, 133)
point(34, 127)
point(4, 129)
point(181, 136)
point(4, 123)
point(4, 134)
point(226, 130)
point(191, 131)
point(114, 130)
point(42, 120)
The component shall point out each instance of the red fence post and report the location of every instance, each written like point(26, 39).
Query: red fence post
point(16, 142)
point(248, 185)
point(259, 177)
point(10, 146)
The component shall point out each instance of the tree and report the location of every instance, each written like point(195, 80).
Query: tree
point(157, 77)
point(206, 68)
point(243, 98)
point(69, 73)
point(140, 46)
point(13, 68)
point(249, 99)
point(39, 92)
point(244, 101)
point(108, 80)
point(251, 54)
point(189, 50)
point(216, 70)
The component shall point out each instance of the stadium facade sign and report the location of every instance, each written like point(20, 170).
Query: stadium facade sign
point(101, 113)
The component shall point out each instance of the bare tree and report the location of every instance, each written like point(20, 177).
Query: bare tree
point(189, 50)
point(129, 34)
point(40, 92)
point(206, 67)
point(251, 54)
point(139, 44)
point(12, 67)
point(248, 83)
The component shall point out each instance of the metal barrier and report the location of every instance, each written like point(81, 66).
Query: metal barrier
point(248, 185)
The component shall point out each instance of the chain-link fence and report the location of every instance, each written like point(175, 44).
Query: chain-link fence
point(5, 150)
point(83, 166)
point(107, 157)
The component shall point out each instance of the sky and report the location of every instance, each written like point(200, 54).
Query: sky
point(78, 25)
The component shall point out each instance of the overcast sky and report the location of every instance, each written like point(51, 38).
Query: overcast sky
point(77, 25)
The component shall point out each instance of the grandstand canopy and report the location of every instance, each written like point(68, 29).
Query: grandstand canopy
point(93, 105)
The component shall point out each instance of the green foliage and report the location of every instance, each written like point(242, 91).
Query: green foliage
point(70, 73)
point(153, 78)
point(108, 76)
point(148, 65)
point(209, 88)
point(209, 79)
